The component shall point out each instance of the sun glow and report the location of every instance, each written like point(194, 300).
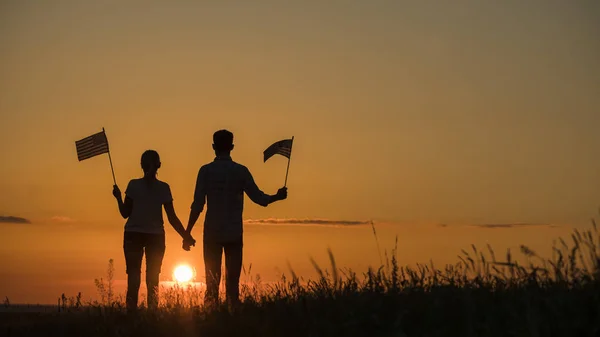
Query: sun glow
point(183, 273)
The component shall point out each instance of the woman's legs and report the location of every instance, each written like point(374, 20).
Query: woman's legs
point(155, 251)
point(134, 249)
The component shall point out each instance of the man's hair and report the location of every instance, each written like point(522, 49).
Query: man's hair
point(223, 140)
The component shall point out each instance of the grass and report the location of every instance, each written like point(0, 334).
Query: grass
point(480, 295)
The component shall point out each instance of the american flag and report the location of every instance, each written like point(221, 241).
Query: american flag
point(91, 146)
point(282, 147)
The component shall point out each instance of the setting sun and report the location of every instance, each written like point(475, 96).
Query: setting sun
point(183, 273)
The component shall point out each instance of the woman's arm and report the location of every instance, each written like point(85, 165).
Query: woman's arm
point(175, 222)
point(124, 207)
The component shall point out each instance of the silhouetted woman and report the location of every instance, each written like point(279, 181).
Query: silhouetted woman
point(144, 230)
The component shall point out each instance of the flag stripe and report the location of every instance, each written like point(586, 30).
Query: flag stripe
point(86, 139)
point(94, 149)
point(92, 153)
point(89, 155)
point(83, 146)
point(89, 146)
point(84, 143)
point(98, 150)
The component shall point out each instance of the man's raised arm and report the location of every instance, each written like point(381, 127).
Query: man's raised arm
point(258, 196)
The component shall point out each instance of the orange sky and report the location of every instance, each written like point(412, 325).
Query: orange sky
point(406, 112)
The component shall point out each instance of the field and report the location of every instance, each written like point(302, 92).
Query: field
point(480, 295)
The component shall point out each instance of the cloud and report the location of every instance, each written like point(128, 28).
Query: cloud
point(510, 225)
point(62, 218)
point(318, 222)
point(13, 219)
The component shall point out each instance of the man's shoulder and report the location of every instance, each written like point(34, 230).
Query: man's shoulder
point(241, 169)
point(206, 167)
point(239, 166)
point(219, 165)
point(212, 163)
point(162, 184)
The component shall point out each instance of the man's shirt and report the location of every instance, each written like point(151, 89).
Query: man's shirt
point(221, 185)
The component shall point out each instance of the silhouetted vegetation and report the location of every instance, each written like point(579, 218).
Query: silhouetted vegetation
point(480, 295)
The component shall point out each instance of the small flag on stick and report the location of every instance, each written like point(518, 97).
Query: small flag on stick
point(92, 146)
point(284, 148)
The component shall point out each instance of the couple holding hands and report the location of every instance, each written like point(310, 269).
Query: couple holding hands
point(220, 185)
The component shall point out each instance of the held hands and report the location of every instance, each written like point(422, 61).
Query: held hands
point(188, 242)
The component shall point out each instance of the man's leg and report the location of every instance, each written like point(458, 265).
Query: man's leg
point(233, 267)
point(134, 250)
point(212, 266)
point(155, 251)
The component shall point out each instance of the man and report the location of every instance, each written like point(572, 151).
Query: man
point(222, 184)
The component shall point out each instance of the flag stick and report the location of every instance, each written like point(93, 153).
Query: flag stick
point(288, 165)
point(110, 159)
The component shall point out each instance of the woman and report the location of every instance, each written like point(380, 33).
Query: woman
point(144, 230)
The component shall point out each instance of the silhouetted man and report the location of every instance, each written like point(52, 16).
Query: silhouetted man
point(222, 184)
